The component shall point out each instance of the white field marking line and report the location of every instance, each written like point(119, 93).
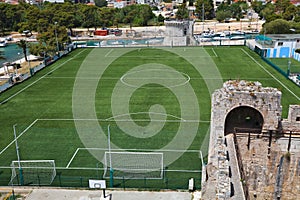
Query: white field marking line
point(93, 168)
point(271, 75)
point(153, 113)
point(176, 85)
point(159, 78)
point(106, 55)
point(81, 168)
point(9, 167)
point(19, 136)
point(12, 96)
point(72, 158)
point(112, 120)
point(143, 150)
point(112, 78)
point(183, 170)
point(154, 57)
point(214, 52)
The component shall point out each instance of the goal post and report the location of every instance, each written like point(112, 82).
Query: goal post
point(133, 165)
point(34, 172)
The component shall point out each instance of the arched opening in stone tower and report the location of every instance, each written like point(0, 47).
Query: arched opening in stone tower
point(243, 118)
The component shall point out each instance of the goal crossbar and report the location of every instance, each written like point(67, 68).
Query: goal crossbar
point(133, 165)
point(33, 172)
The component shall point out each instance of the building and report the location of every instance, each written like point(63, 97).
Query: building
point(248, 139)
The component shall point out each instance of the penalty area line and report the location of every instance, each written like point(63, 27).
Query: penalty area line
point(19, 136)
point(111, 119)
point(144, 150)
point(72, 158)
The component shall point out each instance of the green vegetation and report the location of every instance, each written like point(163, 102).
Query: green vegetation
point(43, 108)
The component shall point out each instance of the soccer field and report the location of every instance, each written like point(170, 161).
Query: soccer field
point(143, 111)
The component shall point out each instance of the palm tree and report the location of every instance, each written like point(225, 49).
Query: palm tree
point(23, 45)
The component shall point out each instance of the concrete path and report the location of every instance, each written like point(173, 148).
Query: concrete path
point(68, 194)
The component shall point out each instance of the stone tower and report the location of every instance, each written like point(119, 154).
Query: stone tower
point(241, 107)
point(179, 33)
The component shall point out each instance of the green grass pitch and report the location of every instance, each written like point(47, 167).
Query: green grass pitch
point(283, 64)
point(153, 99)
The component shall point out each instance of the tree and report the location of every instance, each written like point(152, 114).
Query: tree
point(118, 17)
point(91, 17)
point(238, 8)
point(257, 6)
point(3, 18)
point(290, 13)
point(160, 18)
point(71, 16)
point(208, 9)
point(182, 12)
point(136, 14)
point(106, 17)
point(281, 6)
point(278, 26)
point(222, 15)
point(23, 45)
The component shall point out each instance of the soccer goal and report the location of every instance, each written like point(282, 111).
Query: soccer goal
point(32, 172)
point(133, 165)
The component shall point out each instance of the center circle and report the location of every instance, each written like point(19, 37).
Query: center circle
point(92, 134)
point(169, 77)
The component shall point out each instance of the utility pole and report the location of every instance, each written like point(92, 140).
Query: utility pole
point(202, 17)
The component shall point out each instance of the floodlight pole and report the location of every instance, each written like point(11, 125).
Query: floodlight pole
point(290, 56)
point(111, 170)
point(18, 155)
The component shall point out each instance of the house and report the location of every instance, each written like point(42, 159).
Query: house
point(277, 45)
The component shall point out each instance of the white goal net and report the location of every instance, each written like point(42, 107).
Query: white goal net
point(32, 172)
point(133, 165)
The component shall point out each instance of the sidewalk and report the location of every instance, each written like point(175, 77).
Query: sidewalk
point(66, 194)
point(44, 193)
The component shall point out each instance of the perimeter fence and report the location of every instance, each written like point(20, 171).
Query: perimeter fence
point(63, 180)
point(17, 78)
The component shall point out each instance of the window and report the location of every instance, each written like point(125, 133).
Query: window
point(280, 43)
point(297, 119)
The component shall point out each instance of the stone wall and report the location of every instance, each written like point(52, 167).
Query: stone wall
point(178, 33)
point(242, 93)
point(292, 123)
point(234, 95)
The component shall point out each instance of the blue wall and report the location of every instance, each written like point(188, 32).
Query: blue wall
point(284, 52)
